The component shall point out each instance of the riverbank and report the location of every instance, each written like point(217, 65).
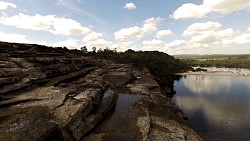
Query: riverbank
point(214, 73)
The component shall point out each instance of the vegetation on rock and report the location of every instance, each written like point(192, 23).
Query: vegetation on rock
point(161, 65)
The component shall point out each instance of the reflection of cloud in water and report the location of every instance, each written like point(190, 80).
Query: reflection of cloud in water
point(216, 105)
point(245, 81)
point(221, 112)
point(206, 84)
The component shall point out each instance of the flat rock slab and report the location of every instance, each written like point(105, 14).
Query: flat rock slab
point(28, 124)
point(118, 79)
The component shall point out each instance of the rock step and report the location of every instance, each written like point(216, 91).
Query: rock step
point(99, 112)
point(69, 121)
point(23, 86)
point(69, 77)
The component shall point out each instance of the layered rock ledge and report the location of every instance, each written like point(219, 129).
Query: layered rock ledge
point(55, 94)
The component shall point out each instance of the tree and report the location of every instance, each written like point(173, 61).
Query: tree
point(84, 49)
point(94, 49)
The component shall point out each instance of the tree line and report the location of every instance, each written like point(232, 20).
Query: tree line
point(230, 62)
point(161, 65)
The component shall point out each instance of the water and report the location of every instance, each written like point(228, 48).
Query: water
point(121, 119)
point(218, 107)
point(126, 100)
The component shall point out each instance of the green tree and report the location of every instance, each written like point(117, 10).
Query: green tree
point(94, 49)
point(84, 49)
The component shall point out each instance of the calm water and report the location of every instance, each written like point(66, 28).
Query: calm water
point(218, 107)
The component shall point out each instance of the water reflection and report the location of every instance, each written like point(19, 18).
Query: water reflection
point(222, 103)
point(126, 100)
point(219, 112)
point(200, 84)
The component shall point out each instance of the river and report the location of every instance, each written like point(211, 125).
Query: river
point(217, 107)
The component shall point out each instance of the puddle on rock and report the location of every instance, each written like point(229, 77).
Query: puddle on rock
point(121, 116)
point(126, 100)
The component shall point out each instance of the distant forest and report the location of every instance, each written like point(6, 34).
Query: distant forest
point(228, 61)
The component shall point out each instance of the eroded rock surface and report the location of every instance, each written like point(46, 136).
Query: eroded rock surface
point(150, 119)
point(56, 94)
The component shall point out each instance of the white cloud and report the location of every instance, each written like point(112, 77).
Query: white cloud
point(213, 40)
point(176, 43)
point(242, 39)
point(163, 33)
point(94, 40)
point(123, 46)
point(129, 6)
point(227, 6)
point(150, 24)
point(63, 26)
point(229, 32)
point(201, 27)
point(70, 44)
point(133, 33)
point(41, 43)
point(92, 36)
point(18, 38)
point(209, 37)
point(130, 33)
point(189, 10)
point(6, 5)
point(177, 47)
point(209, 33)
point(36, 22)
point(99, 43)
point(154, 42)
point(50, 23)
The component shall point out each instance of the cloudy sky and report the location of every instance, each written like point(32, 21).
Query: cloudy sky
point(170, 26)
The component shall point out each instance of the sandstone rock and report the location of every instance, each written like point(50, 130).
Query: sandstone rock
point(144, 122)
point(28, 124)
point(118, 79)
point(166, 122)
point(57, 94)
point(49, 94)
point(144, 85)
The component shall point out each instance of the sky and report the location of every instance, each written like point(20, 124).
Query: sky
point(170, 26)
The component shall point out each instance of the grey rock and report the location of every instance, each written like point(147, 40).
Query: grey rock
point(57, 94)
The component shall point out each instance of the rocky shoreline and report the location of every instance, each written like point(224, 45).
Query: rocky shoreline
point(54, 94)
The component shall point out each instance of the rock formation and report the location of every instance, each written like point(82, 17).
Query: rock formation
point(56, 94)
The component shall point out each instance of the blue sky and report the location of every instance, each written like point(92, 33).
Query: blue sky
point(170, 26)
